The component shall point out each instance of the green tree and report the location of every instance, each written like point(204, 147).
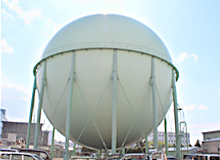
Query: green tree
point(197, 143)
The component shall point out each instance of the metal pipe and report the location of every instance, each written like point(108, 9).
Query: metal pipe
point(37, 129)
point(186, 134)
point(114, 104)
point(69, 108)
point(154, 98)
point(52, 143)
point(178, 155)
point(165, 130)
point(31, 114)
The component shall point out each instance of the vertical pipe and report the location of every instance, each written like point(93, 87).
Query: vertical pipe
point(186, 133)
point(114, 104)
point(52, 143)
point(37, 129)
point(123, 150)
point(165, 130)
point(146, 145)
point(154, 94)
point(31, 114)
point(176, 117)
point(69, 108)
point(74, 148)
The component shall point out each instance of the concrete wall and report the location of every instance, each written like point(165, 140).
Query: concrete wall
point(19, 128)
point(211, 146)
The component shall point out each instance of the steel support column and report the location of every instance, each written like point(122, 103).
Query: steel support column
point(187, 145)
point(123, 150)
point(37, 129)
point(114, 104)
point(166, 140)
point(74, 149)
point(31, 114)
point(178, 155)
point(154, 98)
point(69, 108)
point(146, 145)
point(52, 143)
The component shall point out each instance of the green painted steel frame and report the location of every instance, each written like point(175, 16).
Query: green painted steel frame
point(154, 98)
point(114, 103)
point(166, 140)
point(178, 154)
point(37, 130)
point(31, 114)
point(52, 143)
point(69, 108)
point(176, 74)
point(101, 48)
point(187, 144)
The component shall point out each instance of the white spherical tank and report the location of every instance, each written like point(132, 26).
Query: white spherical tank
point(94, 39)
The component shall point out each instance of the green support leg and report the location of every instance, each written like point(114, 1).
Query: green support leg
point(123, 150)
point(114, 104)
point(154, 94)
point(52, 144)
point(178, 155)
point(69, 108)
point(30, 115)
point(146, 145)
point(166, 140)
point(37, 130)
point(74, 149)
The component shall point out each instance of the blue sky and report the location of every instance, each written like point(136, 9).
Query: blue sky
point(189, 29)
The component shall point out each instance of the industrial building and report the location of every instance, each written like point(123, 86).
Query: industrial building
point(211, 142)
point(3, 118)
point(15, 131)
point(171, 138)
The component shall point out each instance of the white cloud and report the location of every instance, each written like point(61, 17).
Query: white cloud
point(219, 90)
point(205, 126)
point(18, 87)
point(49, 21)
point(5, 48)
point(195, 56)
point(5, 84)
point(51, 27)
point(189, 108)
point(203, 107)
point(185, 55)
point(7, 14)
point(182, 56)
point(28, 16)
point(56, 28)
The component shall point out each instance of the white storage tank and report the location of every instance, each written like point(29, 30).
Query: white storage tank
point(94, 39)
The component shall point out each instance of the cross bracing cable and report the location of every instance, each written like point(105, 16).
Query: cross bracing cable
point(161, 105)
point(92, 114)
point(131, 109)
point(134, 119)
point(58, 104)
